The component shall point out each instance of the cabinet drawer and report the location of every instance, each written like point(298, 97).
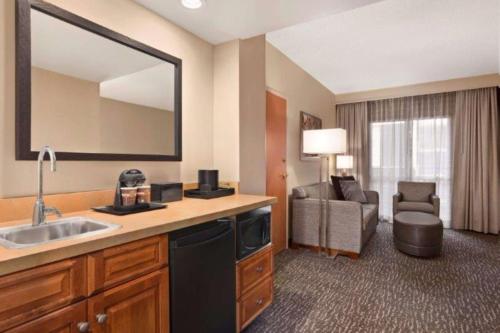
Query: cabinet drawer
point(252, 270)
point(255, 301)
point(32, 293)
point(65, 320)
point(118, 264)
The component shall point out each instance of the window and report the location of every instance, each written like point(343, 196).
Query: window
point(417, 150)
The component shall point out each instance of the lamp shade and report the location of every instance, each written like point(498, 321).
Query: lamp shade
point(325, 141)
point(344, 162)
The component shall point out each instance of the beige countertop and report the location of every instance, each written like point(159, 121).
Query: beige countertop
point(177, 215)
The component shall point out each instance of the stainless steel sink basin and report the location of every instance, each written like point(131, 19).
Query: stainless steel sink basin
point(67, 228)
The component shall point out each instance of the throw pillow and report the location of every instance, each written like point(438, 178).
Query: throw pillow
point(352, 191)
point(336, 186)
point(299, 193)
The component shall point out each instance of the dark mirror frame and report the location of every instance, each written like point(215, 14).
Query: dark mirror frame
point(23, 83)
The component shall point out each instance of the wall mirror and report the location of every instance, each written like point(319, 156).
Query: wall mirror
point(91, 93)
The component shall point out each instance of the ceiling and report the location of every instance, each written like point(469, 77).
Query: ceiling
point(123, 73)
point(220, 21)
point(396, 42)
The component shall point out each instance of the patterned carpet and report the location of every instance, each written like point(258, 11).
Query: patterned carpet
point(387, 291)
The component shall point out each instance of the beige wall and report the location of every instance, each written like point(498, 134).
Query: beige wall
point(226, 110)
point(474, 82)
point(253, 115)
point(18, 177)
point(302, 93)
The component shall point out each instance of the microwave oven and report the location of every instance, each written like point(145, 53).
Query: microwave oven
point(253, 231)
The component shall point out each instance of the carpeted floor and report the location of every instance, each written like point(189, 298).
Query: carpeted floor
point(387, 291)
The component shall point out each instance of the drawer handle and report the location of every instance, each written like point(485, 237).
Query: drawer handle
point(259, 269)
point(83, 326)
point(260, 301)
point(101, 318)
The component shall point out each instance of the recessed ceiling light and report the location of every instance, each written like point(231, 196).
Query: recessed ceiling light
point(192, 4)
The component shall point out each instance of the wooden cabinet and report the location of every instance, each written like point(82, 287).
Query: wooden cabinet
point(254, 287)
point(118, 264)
point(122, 289)
point(117, 290)
point(140, 305)
point(66, 320)
point(32, 293)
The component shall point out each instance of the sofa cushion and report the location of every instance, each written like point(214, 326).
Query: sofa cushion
point(416, 191)
point(352, 191)
point(416, 206)
point(368, 211)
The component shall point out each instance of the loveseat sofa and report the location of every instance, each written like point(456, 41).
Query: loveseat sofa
point(350, 225)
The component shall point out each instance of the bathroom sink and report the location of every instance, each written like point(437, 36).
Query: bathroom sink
point(67, 228)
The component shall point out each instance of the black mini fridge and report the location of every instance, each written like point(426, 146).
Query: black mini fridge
point(202, 278)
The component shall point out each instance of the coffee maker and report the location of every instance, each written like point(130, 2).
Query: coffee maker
point(128, 178)
point(129, 181)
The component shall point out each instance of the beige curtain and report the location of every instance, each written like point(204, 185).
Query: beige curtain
point(354, 119)
point(476, 180)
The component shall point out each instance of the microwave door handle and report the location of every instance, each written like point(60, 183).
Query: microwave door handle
point(265, 230)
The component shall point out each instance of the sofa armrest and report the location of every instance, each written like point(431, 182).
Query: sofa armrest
point(305, 221)
point(435, 201)
point(396, 198)
point(372, 197)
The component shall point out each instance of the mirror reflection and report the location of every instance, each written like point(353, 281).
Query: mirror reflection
point(90, 94)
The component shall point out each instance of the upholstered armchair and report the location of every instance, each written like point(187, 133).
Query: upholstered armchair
point(417, 197)
point(350, 225)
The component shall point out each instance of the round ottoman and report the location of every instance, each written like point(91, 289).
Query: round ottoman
point(418, 234)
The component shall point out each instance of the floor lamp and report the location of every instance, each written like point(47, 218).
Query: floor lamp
point(324, 142)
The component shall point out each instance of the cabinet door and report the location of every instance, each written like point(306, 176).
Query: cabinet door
point(140, 305)
point(70, 319)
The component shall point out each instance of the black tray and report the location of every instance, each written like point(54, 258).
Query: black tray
point(221, 192)
point(139, 208)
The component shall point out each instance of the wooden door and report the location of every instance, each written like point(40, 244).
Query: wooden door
point(140, 305)
point(276, 166)
point(70, 319)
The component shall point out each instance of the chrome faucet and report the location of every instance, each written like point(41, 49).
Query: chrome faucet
point(40, 212)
